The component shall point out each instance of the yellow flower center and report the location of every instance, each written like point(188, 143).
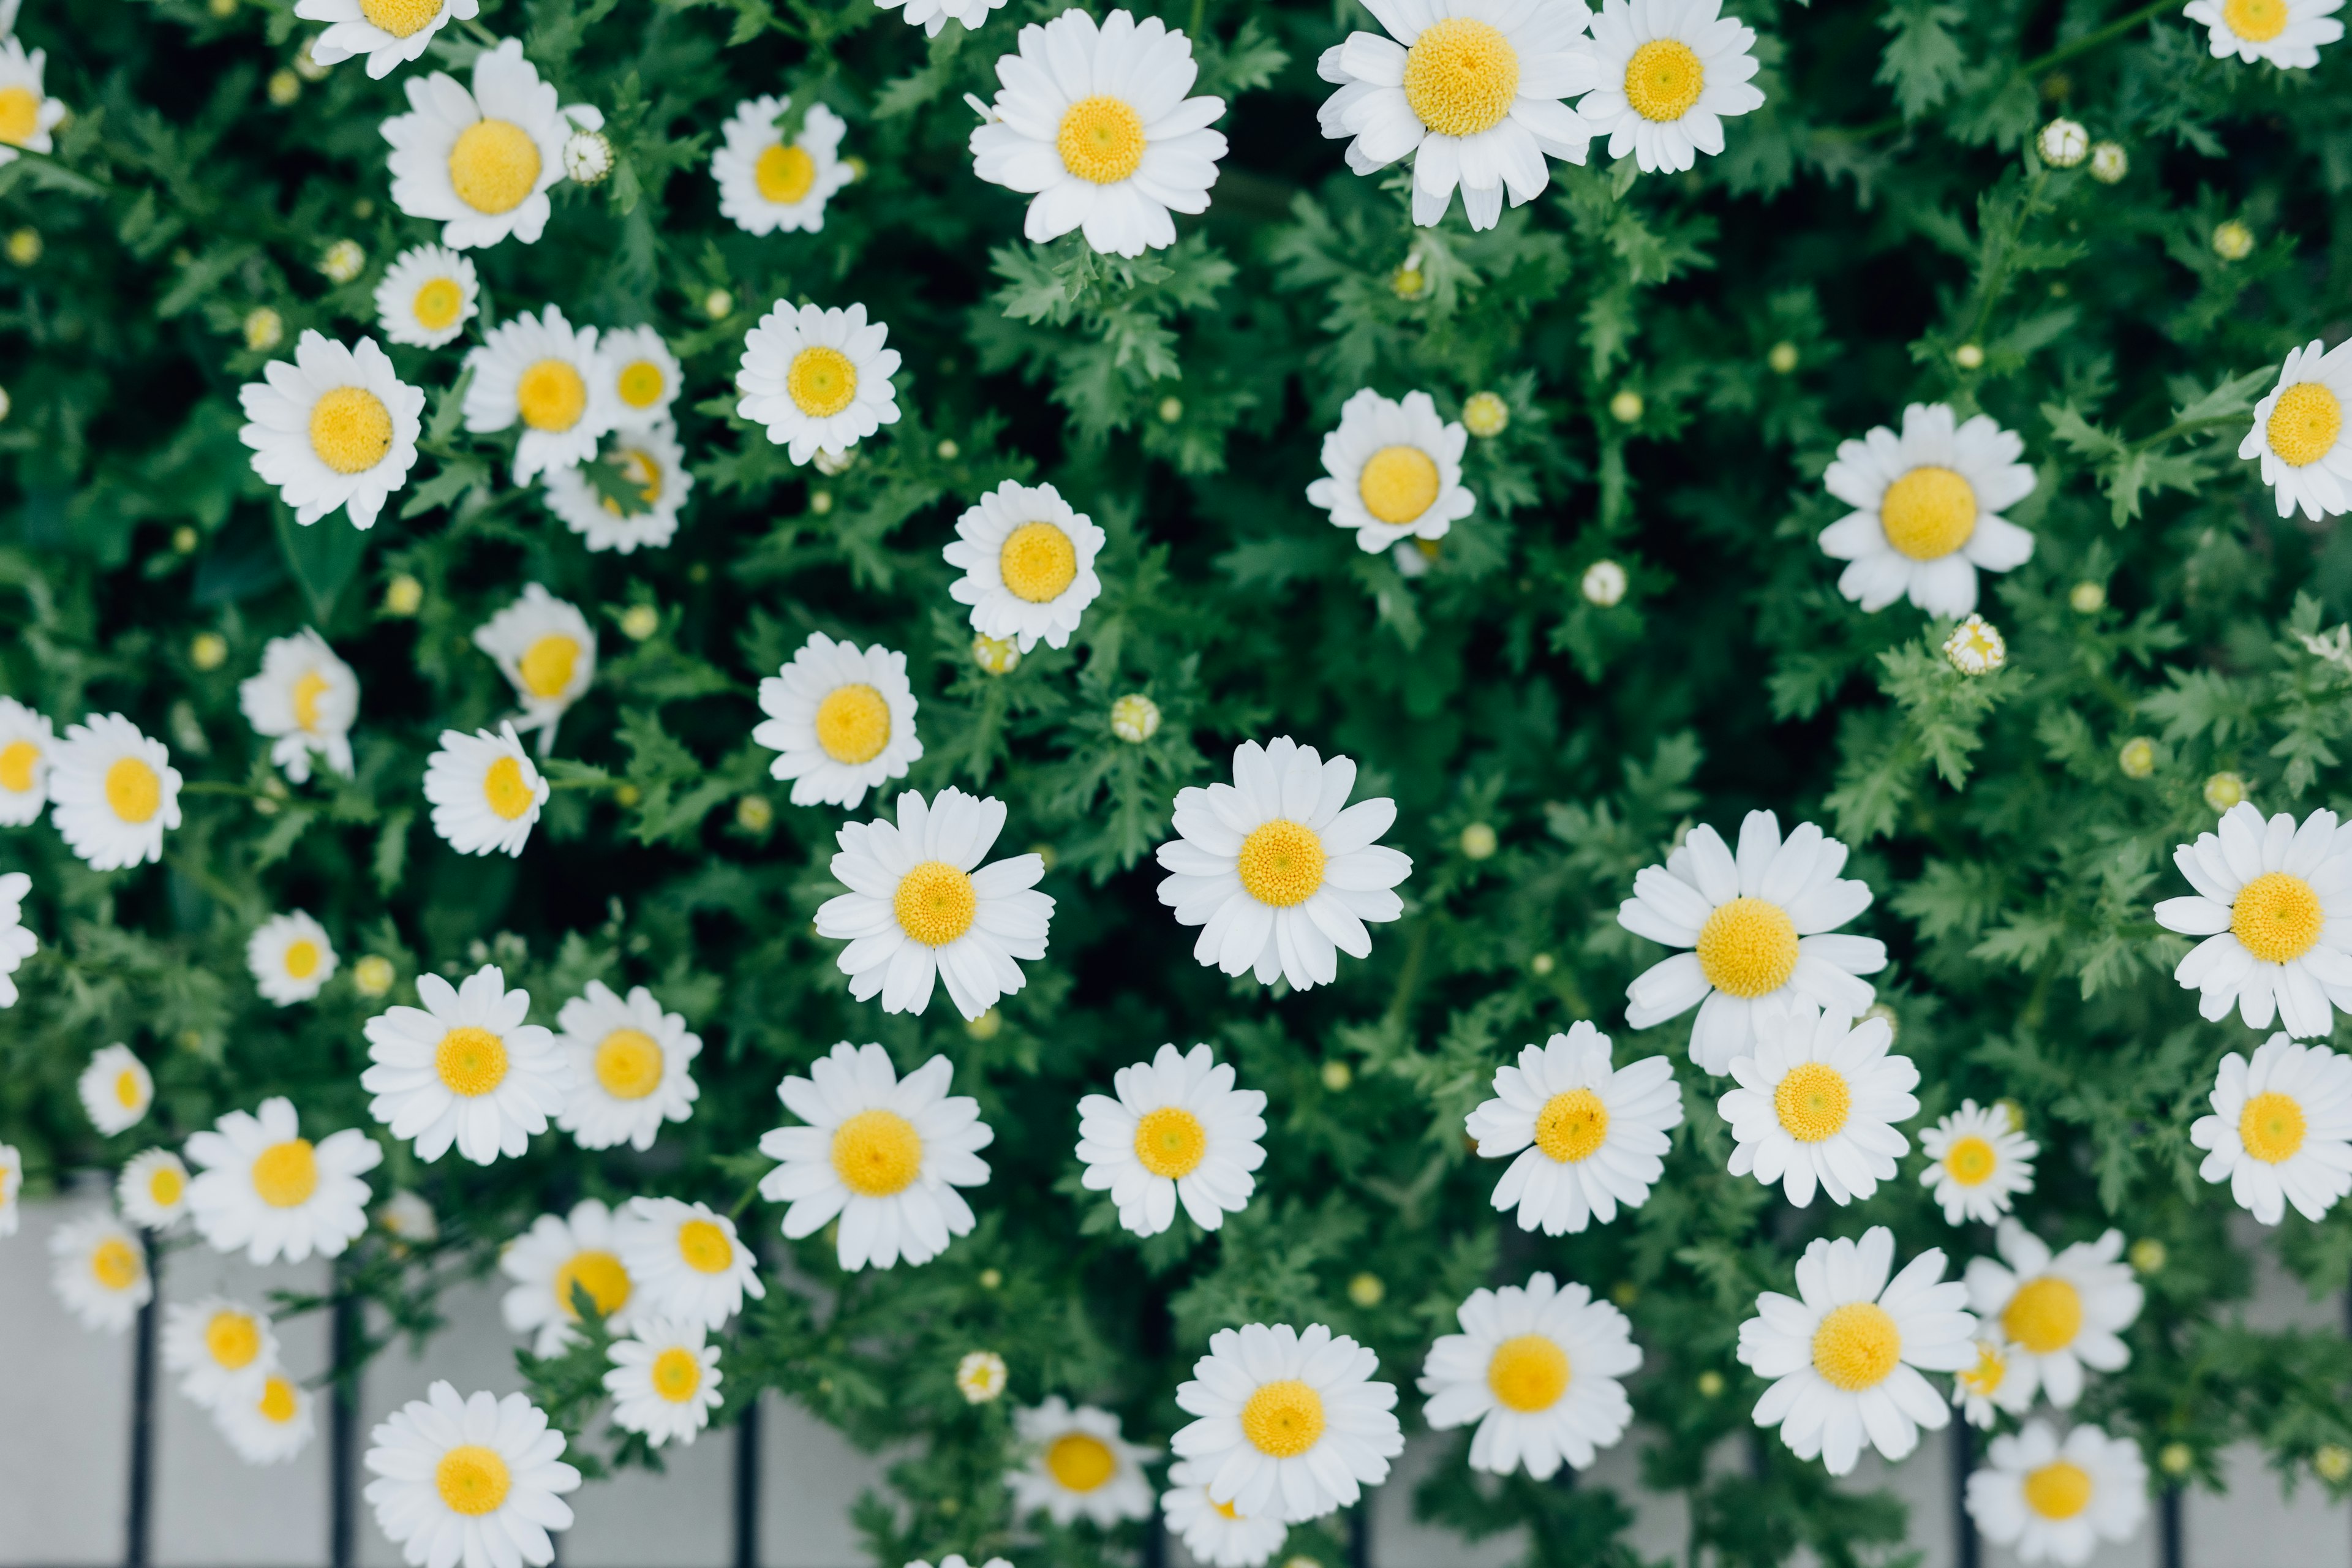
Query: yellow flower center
point(2044, 1315)
point(2058, 1489)
point(784, 175)
point(853, 723)
point(641, 469)
point(1170, 1141)
point(676, 1373)
point(551, 395)
point(1080, 1461)
point(1664, 79)
point(350, 429)
point(1281, 863)
point(2256, 21)
point(642, 384)
point(1969, 1162)
point(600, 1274)
point(1399, 483)
point(2270, 1127)
point(437, 304)
point(20, 115)
point(309, 686)
point(17, 760)
point(472, 1479)
point(2304, 423)
point(935, 903)
point(1283, 1419)
point(1101, 140)
point(493, 164)
point(2277, 917)
point(113, 1263)
point(166, 1184)
point(128, 1089)
point(628, 1064)
point(504, 788)
point(232, 1339)
point(705, 1248)
point(471, 1060)
point(547, 665)
point(286, 1175)
point(822, 381)
point(133, 790)
point(1928, 513)
point(1748, 947)
point(301, 959)
point(1857, 1346)
point(401, 18)
point(1037, 562)
point(1460, 77)
point(1529, 1373)
point(1812, 1102)
point(1991, 1371)
point(277, 1402)
point(1573, 1125)
point(878, 1153)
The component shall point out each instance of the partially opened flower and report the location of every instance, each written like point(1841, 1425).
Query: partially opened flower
point(465, 1069)
point(263, 1187)
point(1393, 470)
point(665, 1381)
point(291, 958)
point(1289, 1424)
point(1177, 1131)
point(2281, 1131)
point(99, 1270)
point(551, 1263)
point(302, 701)
point(212, 1342)
point(766, 183)
point(390, 33)
point(485, 792)
point(2054, 1500)
point(1076, 1466)
point(819, 380)
point(547, 650)
point(12, 1188)
point(1588, 1136)
point(2064, 1312)
point(1817, 1104)
point(113, 793)
point(1537, 1368)
point(843, 718)
point(1028, 565)
point(334, 429)
point(478, 1481)
point(1670, 73)
point(2272, 902)
point(1999, 1381)
point(648, 459)
point(478, 162)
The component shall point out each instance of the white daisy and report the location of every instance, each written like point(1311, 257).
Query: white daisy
point(665, 1382)
point(1846, 1360)
point(1216, 1535)
point(2271, 902)
point(18, 942)
point(485, 792)
point(2287, 33)
point(2280, 1130)
point(266, 1415)
point(390, 33)
point(1588, 1136)
point(883, 1154)
point(2299, 428)
point(465, 1069)
point(113, 793)
point(1092, 122)
point(843, 717)
point(921, 905)
point(1471, 91)
point(545, 372)
point(115, 1089)
point(819, 380)
point(2065, 1312)
point(1075, 1465)
point(475, 1480)
point(1028, 565)
point(12, 1188)
point(931, 15)
point(981, 1376)
point(652, 460)
point(1817, 1104)
point(1179, 1129)
point(1926, 511)
point(629, 1068)
point(1669, 73)
point(428, 293)
point(99, 1270)
point(28, 114)
point(27, 745)
point(407, 1219)
point(1277, 869)
point(2054, 1502)
point(480, 162)
point(1760, 931)
point(687, 1261)
point(547, 650)
point(210, 1344)
point(1290, 1424)
point(1393, 471)
point(335, 428)
point(152, 1189)
point(556, 1255)
point(766, 183)
point(2000, 1381)
point(642, 374)
point(263, 1186)
point(302, 699)
point(1537, 1368)
point(1983, 1163)
point(290, 957)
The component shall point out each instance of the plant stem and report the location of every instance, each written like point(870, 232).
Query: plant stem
point(2185, 427)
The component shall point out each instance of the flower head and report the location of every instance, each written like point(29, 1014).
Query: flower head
point(1669, 75)
point(1982, 1162)
point(546, 374)
point(1537, 1368)
point(2287, 33)
point(27, 748)
point(2268, 899)
point(1392, 471)
point(390, 33)
point(551, 1263)
point(547, 650)
point(1177, 1131)
point(100, 1270)
point(486, 793)
point(843, 718)
point(665, 1381)
point(1289, 1424)
point(291, 958)
point(1075, 1465)
point(819, 380)
point(302, 701)
point(478, 1481)
point(2064, 1310)
point(1217, 1534)
point(1588, 1136)
point(465, 1069)
point(113, 793)
point(649, 458)
point(1927, 507)
point(630, 1067)
point(2281, 1131)
point(28, 113)
point(2054, 1500)
point(2299, 436)
point(1028, 565)
point(688, 1260)
point(1818, 1101)
point(267, 1416)
point(478, 162)
point(115, 1089)
point(152, 1189)
point(262, 1187)
point(212, 1342)
point(766, 183)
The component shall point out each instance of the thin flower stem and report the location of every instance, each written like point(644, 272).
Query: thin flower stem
point(2186, 427)
point(220, 786)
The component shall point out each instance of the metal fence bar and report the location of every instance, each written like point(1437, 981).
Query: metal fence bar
point(1966, 1552)
point(747, 1486)
point(344, 1427)
point(139, 1516)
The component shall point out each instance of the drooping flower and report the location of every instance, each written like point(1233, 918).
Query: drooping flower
point(1537, 1368)
point(1927, 507)
point(1588, 1136)
point(547, 650)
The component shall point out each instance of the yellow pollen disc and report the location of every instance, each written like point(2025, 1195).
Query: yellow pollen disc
point(600, 1274)
point(2256, 21)
point(784, 175)
point(1281, 863)
point(437, 304)
point(676, 1373)
point(1460, 77)
point(401, 18)
point(1990, 1370)
point(301, 959)
point(115, 1265)
point(1037, 562)
point(547, 665)
point(551, 395)
point(166, 1186)
point(1527, 1374)
point(277, 1400)
point(133, 790)
point(2044, 1315)
point(1283, 1419)
point(232, 1339)
point(1812, 1102)
point(1928, 513)
point(705, 1248)
point(472, 1479)
point(286, 1175)
point(1080, 1461)
point(1573, 1125)
point(494, 164)
point(1399, 483)
point(20, 115)
point(853, 723)
point(1748, 947)
point(629, 1063)
point(309, 686)
point(2058, 1489)
point(1969, 1162)
point(1101, 140)
point(1170, 1141)
point(471, 1060)
point(1857, 1346)
point(350, 429)
point(1226, 1508)
point(128, 1090)
point(504, 789)
point(878, 1153)
point(641, 384)
point(2304, 423)
point(1664, 79)
point(17, 760)
point(2270, 1127)
point(2277, 917)
point(822, 381)
point(935, 903)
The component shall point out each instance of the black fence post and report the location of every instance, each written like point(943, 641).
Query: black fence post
point(2168, 1528)
point(1359, 1534)
point(747, 1486)
point(343, 1424)
point(1965, 1550)
point(139, 1517)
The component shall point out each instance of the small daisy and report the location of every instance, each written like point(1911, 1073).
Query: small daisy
point(1028, 565)
point(1290, 1424)
point(28, 744)
point(2280, 1130)
point(844, 719)
point(2271, 902)
point(653, 461)
point(153, 1190)
point(266, 1415)
point(688, 1262)
point(480, 162)
point(981, 1376)
point(2001, 1380)
point(1279, 876)
point(1394, 471)
point(428, 293)
point(629, 1068)
point(546, 373)
point(476, 1480)
point(556, 1255)
point(1846, 1360)
point(28, 114)
point(212, 1342)
point(1537, 1369)
point(2054, 1502)
point(2065, 1312)
point(116, 1090)
point(1216, 1535)
point(1817, 1104)
point(1926, 511)
point(1982, 1162)
point(1092, 122)
point(1588, 1136)
point(819, 380)
point(113, 793)
point(1669, 75)
point(290, 957)
point(766, 183)
point(917, 907)
point(101, 1272)
point(664, 1382)
point(1759, 930)
point(642, 374)
point(335, 428)
point(303, 700)
point(485, 792)
point(1075, 1465)
point(390, 33)
point(465, 1069)
point(16, 943)
point(885, 1154)
point(2287, 33)
point(932, 16)
point(1179, 1129)
point(2299, 429)
point(12, 1188)
point(263, 1186)
point(547, 650)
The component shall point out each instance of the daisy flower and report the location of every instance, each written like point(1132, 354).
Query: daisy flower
point(485, 792)
point(266, 1415)
point(16, 943)
point(546, 649)
point(649, 458)
point(1216, 1535)
point(1471, 92)
point(480, 162)
point(209, 1344)
point(629, 1062)
point(12, 1188)
point(1093, 124)
point(664, 1382)
point(981, 1376)
point(1926, 511)
point(302, 699)
point(1588, 1136)
point(2271, 903)
point(2054, 1502)
point(1279, 876)
point(1669, 74)
point(1393, 470)
point(2064, 1312)
point(2280, 1130)
point(428, 293)
point(883, 1154)
point(819, 380)
point(1290, 1424)
point(2287, 33)
point(1537, 1369)
point(115, 1089)
point(1845, 1358)
point(476, 1480)
point(2299, 429)
point(406, 1216)
point(1759, 931)
point(557, 1254)
point(390, 33)
point(1817, 1104)
point(642, 374)
point(465, 1069)
point(917, 907)
point(263, 1186)
point(547, 373)
point(336, 428)
point(99, 1271)
point(843, 718)
point(1179, 1129)
point(766, 183)
point(1028, 565)
point(290, 957)
point(1074, 1465)
point(1982, 1162)
point(26, 747)
point(153, 1190)
point(688, 1262)
point(931, 15)
point(2000, 1381)
point(28, 114)
point(112, 793)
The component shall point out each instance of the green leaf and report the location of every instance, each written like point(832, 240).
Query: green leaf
point(323, 557)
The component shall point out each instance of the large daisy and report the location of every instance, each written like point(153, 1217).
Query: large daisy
point(152, 1189)
point(1537, 1368)
point(2054, 1500)
point(1999, 1381)
point(1669, 73)
point(291, 958)
point(1289, 1424)
point(766, 183)
point(28, 113)
point(18, 942)
point(1817, 1104)
point(335, 428)
point(115, 1089)
point(113, 793)
point(210, 1342)
point(486, 793)
point(1075, 1465)
point(630, 1067)
point(843, 718)
point(465, 1069)
point(547, 650)
point(2287, 33)
point(1179, 1130)
point(390, 33)
point(1588, 1136)
point(1393, 471)
point(2271, 902)
point(2281, 1131)
point(665, 1382)
point(99, 1270)
point(649, 458)
point(27, 745)
point(1216, 1535)
point(1926, 511)
point(2064, 1310)
point(1028, 565)
point(2299, 432)
point(819, 380)
point(266, 1415)
point(480, 162)
point(545, 372)
point(687, 1261)
point(262, 1187)
point(476, 1480)
point(428, 294)
point(1982, 1162)
point(559, 1255)
point(302, 701)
